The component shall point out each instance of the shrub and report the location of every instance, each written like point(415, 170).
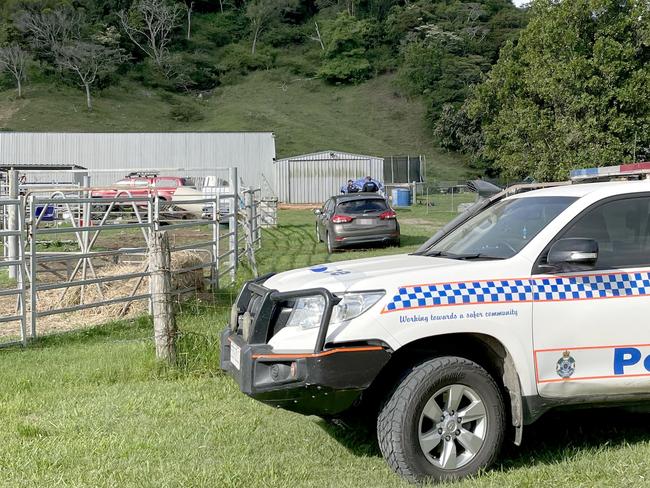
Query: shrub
point(150, 76)
point(186, 111)
point(421, 68)
point(193, 71)
point(346, 69)
point(301, 62)
point(284, 35)
point(238, 58)
point(226, 28)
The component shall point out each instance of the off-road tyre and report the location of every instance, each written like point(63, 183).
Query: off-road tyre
point(398, 423)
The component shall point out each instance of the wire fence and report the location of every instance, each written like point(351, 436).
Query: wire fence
point(78, 255)
point(443, 196)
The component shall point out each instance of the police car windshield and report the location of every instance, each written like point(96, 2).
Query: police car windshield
point(502, 230)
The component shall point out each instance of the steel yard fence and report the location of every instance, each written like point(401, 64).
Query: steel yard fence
point(71, 259)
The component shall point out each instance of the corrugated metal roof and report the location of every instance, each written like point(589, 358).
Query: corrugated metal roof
point(326, 156)
point(40, 166)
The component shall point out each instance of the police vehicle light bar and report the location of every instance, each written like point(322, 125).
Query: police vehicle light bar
point(611, 171)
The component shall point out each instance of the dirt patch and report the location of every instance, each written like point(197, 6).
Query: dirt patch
point(297, 206)
point(8, 110)
point(416, 221)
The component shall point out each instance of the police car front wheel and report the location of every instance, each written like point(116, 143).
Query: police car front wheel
point(444, 421)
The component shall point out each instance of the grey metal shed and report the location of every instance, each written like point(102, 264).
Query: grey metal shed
point(252, 153)
point(313, 178)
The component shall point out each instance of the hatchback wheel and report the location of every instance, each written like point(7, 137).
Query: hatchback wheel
point(444, 421)
point(330, 243)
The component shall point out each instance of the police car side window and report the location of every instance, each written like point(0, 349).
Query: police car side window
point(622, 230)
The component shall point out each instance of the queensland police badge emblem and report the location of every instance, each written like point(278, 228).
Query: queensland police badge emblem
point(566, 365)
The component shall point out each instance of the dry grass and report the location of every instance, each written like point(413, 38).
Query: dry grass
point(192, 280)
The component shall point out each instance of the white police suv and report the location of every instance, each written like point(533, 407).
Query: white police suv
point(529, 301)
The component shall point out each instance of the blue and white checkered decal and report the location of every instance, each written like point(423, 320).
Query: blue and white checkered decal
point(585, 287)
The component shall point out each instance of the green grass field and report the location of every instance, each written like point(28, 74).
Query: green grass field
point(92, 408)
point(306, 115)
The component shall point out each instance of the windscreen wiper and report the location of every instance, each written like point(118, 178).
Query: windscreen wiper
point(478, 255)
point(469, 256)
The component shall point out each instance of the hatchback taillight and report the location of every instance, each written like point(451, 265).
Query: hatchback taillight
point(341, 219)
point(387, 215)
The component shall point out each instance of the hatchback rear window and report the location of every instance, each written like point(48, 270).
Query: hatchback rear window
point(362, 206)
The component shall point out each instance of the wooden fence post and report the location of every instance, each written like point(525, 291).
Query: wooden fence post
point(164, 320)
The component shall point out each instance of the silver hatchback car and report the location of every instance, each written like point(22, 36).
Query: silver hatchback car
point(358, 218)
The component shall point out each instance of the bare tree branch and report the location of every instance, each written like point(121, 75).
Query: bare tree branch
point(149, 24)
point(88, 61)
point(318, 37)
point(14, 60)
point(261, 13)
point(46, 29)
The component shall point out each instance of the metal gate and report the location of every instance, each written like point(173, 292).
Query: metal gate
point(93, 253)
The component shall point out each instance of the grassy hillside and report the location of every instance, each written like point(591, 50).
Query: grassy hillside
point(306, 115)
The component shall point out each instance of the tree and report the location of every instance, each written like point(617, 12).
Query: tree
point(189, 8)
point(344, 57)
point(149, 24)
point(318, 38)
point(349, 6)
point(46, 29)
point(14, 60)
point(88, 61)
point(446, 47)
point(572, 92)
point(262, 13)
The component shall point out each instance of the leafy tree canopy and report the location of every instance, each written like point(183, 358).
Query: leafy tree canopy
point(574, 91)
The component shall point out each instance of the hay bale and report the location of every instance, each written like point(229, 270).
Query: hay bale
point(192, 278)
point(181, 280)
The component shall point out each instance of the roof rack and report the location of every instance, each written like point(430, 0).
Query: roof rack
point(142, 174)
point(634, 171)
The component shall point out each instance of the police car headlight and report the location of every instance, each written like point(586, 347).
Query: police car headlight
point(354, 304)
point(307, 312)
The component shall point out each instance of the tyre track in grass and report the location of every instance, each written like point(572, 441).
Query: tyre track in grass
point(290, 246)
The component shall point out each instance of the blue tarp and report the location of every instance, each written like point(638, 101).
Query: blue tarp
point(49, 214)
point(359, 184)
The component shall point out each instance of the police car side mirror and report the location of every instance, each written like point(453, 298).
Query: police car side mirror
point(573, 251)
point(317, 211)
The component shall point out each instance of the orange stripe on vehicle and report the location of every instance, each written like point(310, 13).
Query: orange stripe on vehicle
point(604, 377)
point(583, 348)
point(318, 355)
